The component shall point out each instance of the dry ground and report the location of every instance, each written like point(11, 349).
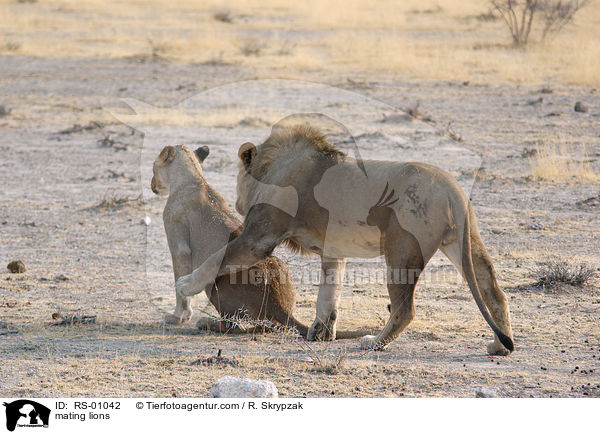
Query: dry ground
point(72, 200)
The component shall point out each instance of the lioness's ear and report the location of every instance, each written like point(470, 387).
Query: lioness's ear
point(246, 153)
point(167, 154)
point(202, 152)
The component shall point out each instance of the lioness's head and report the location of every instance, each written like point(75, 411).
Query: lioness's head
point(161, 169)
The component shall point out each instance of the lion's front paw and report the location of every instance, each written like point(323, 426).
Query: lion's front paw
point(495, 348)
point(368, 342)
point(185, 286)
point(320, 331)
point(174, 318)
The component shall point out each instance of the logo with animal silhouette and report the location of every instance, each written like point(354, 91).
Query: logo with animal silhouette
point(26, 413)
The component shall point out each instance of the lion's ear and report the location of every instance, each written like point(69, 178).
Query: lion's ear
point(246, 153)
point(167, 154)
point(202, 152)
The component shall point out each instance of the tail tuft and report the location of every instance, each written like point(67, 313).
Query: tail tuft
point(507, 342)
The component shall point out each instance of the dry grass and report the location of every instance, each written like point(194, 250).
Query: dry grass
point(225, 117)
point(114, 202)
point(426, 39)
point(558, 163)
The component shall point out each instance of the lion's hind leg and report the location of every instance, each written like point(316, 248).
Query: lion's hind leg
point(493, 297)
point(405, 262)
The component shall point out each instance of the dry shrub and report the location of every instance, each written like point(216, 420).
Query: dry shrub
point(563, 272)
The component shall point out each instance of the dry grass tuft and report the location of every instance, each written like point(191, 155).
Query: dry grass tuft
point(252, 47)
point(563, 272)
point(552, 163)
point(324, 361)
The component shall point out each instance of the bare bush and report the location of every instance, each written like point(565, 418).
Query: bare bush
point(561, 271)
point(519, 16)
point(557, 14)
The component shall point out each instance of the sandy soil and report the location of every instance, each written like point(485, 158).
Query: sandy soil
point(86, 252)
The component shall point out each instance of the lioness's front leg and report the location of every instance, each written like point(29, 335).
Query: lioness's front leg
point(262, 232)
point(182, 265)
point(328, 300)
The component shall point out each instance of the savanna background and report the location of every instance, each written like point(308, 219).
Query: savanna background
point(74, 192)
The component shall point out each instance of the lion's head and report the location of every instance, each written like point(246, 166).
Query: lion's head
point(297, 143)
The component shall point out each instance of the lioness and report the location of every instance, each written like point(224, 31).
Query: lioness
point(298, 188)
point(198, 223)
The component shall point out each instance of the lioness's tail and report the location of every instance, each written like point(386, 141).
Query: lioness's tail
point(469, 272)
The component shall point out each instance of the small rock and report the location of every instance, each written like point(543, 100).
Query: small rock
point(537, 227)
point(486, 392)
point(146, 221)
point(16, 267)
point(581, 107)
point(232, 387)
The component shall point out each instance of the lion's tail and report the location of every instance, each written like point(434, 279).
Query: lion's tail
point(469, 273)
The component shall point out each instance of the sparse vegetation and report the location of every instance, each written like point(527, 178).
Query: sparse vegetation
point(347, 43)
point(557, 14)
point(325, 361)
point(252, 47)
point(557, 163)
point(519, 16)
point(561, 271)
point(157, 50)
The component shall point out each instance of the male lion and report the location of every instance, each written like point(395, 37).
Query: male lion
point(198, 223)
point(298, 188)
